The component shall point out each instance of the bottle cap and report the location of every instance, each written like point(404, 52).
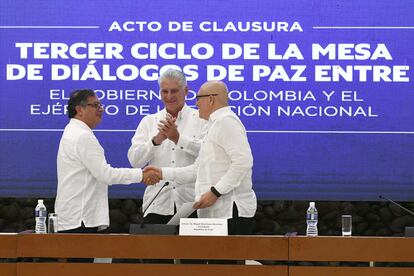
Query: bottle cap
point(312, 204)
point(40, 201)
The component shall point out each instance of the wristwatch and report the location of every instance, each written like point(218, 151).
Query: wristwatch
point(215, 192)
point(152, 140)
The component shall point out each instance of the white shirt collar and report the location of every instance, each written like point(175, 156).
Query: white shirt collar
point(218, 113)
point(80, 124)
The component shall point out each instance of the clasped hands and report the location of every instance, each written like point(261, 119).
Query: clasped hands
point(151, 175)
point(167, 130)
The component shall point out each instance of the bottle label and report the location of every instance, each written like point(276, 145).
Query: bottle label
point(311, 216)
point(40, 214)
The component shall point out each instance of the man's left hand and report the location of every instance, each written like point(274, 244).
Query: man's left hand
point(168, 128)
point(206, 200)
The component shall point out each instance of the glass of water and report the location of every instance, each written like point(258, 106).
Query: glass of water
point(52, 223)
point(346, 225)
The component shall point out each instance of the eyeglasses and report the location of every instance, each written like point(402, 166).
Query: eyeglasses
point(96, 105)
point(205, 95)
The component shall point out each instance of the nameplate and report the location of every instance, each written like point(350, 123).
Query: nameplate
point(203, 227)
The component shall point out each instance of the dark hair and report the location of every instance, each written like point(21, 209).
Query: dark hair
point(78, 97)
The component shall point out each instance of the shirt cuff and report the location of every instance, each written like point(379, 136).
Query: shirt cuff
point(168, 174)
point(183, 142)
point(139, 173)
point(222, 188)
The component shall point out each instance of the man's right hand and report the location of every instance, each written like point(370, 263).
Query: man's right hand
point(151, 175)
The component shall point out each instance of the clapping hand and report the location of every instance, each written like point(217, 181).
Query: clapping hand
point(168, 128)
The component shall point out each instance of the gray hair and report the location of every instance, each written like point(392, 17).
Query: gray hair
point(175, 75)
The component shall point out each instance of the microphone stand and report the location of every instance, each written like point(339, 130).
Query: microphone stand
point(399, 205)
point(152, 200)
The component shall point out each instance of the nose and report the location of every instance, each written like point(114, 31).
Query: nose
point(169, 95)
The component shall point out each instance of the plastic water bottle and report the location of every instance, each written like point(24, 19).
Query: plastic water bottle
point(41, 215)
point(312, 220)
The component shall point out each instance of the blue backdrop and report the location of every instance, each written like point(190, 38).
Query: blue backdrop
point(324, 88)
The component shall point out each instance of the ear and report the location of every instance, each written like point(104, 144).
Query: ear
point(211, 100)
point(79, 110)
point(186, 90)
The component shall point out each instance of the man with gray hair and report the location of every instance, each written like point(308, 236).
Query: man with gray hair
point(168, 138)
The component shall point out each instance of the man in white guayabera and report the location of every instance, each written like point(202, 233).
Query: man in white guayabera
point(82, 171)
point(170, 137)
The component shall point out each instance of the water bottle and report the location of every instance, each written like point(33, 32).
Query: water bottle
point(41, 213)
point(312, 220)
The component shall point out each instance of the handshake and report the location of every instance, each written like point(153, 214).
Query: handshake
point(151, 175)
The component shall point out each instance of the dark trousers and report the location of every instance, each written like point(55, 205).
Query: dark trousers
point(161, 219)
point(81, 230)
point(156, 219)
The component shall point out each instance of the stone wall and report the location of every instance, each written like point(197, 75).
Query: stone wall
point(272, 217)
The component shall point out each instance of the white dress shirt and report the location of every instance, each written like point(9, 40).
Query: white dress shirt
point(225, 162)
point(184, 153)
point(83, 179)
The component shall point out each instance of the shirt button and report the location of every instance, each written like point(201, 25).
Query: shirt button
point(173, 188)
point(173, 148)
point(181, 147)
point(173, 161)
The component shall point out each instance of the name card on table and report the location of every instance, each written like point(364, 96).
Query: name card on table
point(203, 227)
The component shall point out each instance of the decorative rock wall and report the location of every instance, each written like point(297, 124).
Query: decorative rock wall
point(272, 217)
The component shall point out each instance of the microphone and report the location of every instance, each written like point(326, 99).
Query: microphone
point(152, 200)
point(399, 205)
